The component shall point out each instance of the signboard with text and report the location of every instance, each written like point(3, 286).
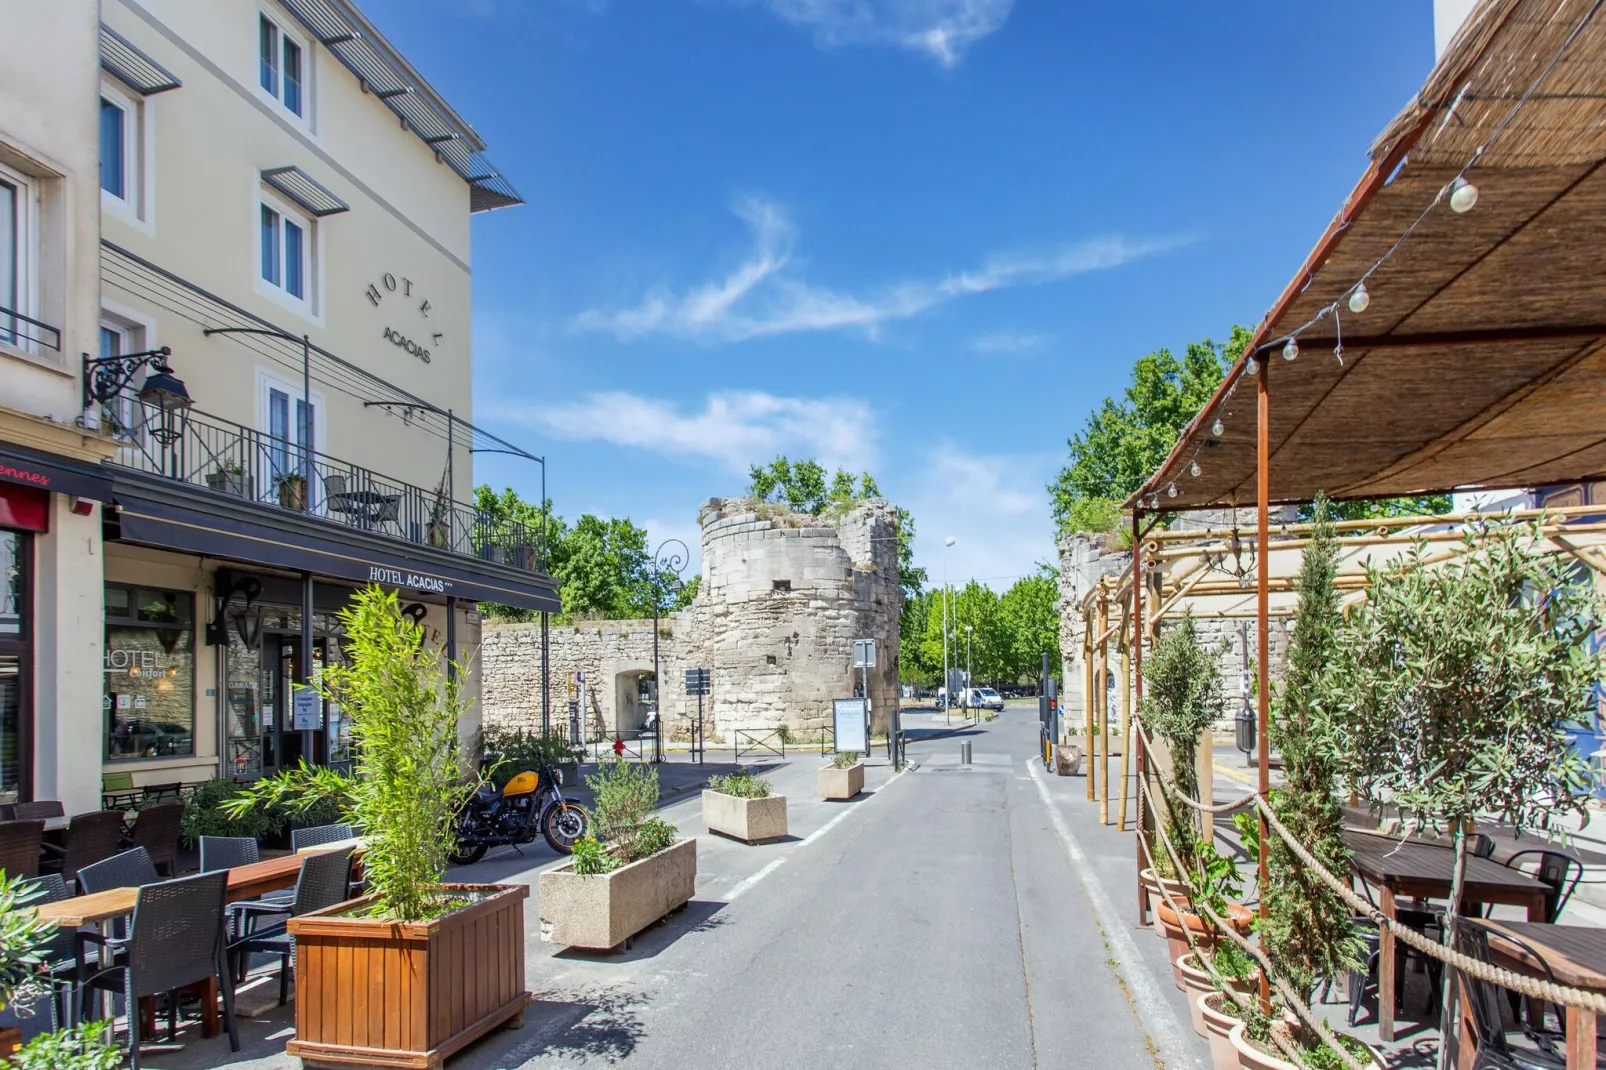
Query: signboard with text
point(307, 711)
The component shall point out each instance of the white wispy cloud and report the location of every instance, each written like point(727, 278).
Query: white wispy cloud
point(763, 297)
point(993, 505)
point(732, 429)
point(1007, 343)
point(939, 29)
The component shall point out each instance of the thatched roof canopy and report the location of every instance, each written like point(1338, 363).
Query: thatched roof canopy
point(1481, 358)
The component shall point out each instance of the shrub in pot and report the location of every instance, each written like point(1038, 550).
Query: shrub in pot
point(1220, 1015)
point(631, 872)
point(1239, 972)
point(1214, 882)
point(1252, 1040)
point(1182, 698)
point(743, 807)
point(522, 750)
point(452, 955)
point(843, 778)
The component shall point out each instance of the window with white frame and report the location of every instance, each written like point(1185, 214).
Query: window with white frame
point(285, 248)
point(282, 65)
point(18, 259)
point(122, 152)
point(123, 417)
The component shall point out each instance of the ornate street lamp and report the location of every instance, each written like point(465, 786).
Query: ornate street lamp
point(668, 561)
point(106, 377)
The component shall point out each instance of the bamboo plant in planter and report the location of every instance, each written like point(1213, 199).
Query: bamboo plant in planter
point(415, 970)
point(742, 807)
point(634, 871)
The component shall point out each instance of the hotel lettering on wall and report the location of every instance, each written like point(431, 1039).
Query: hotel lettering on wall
point(416, 340)
point(413, 581)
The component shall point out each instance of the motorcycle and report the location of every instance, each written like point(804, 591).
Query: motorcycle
point(529, 805)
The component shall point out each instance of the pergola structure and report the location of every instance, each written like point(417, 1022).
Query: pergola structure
point(1446, 331)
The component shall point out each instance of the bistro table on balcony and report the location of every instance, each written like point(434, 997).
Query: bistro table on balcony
point(368, 508)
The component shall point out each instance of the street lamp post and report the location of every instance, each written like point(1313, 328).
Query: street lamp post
point(672, 562)
point(969, 683)
point(947, 683)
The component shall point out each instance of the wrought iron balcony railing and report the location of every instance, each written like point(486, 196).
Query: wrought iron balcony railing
point(244, 463)
point(27, 332)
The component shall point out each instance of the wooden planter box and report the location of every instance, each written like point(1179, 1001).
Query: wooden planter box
point(750, 820)
point(603, 910)
point(841, 783)
point(403, 994)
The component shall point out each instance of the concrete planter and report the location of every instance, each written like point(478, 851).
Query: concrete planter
point(1196, 982)
point(604, 910)
point(841, 783)
point(749, 820)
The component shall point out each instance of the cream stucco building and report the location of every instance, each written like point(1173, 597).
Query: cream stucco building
point(284, 209)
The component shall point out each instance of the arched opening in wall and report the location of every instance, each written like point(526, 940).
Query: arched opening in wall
point(635, 699)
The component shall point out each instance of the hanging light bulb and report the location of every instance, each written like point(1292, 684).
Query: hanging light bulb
point(1252, 366)
point(1291, 350)
point(1193, 469)
point(1463, 195)
point(1359, 299)
point(1171, 491)
point(1217, 428)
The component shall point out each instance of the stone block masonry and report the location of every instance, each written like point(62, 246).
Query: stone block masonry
point(782, 598)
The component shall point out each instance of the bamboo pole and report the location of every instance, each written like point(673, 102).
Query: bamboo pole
point(1102, 724)
point(1399, 538)
point(1379, 523)
point(1126, 730)
point(1263, 645)
point(1087, 690)
point(1137, 684)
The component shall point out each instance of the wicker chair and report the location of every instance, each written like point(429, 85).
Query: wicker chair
point(90, 838)
point(156, 829)
point(323, 883)
point(176, 940)
point(59, 954)
point(320, 834)
point(130, 869)
point(21, 843)
point(226, 852)
point(27, 811)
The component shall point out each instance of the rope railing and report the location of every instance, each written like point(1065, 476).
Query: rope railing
point(1532, 987)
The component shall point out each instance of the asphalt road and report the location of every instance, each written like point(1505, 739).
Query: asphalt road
point(937, 921)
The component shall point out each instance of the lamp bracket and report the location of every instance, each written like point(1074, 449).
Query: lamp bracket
point(105, 377)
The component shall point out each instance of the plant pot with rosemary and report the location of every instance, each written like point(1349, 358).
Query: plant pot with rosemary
point(843, 778)
point(448, 958)
point(1256, 1050)
point(1220, 1015)
point(228, 479)
point(742, 807)
point(292, 491)
point(1238, 972)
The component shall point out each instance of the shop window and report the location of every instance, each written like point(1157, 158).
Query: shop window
point(16, 657)
point(149, 702)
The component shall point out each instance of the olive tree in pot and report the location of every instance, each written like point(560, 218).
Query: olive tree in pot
point(1457, 682)
point(1308, 930)
point(450, 958)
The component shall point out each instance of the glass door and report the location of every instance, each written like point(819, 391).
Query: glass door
point(286, 674)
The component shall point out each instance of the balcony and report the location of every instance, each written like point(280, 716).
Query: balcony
point(242, 463)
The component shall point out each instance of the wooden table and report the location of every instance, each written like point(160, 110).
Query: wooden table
point(102, 908)
point(56, 824)
point(1576, 955)
point(1415, 868)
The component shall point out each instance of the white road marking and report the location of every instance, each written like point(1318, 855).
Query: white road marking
point(1173, 1043)
point(730, 896)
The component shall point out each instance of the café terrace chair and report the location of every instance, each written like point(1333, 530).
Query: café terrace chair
point(156, 829)
point(1493, 1041)
point(1559, 871)
point(59, 955)
point(21, 843)
point(44, 809)
point(176, 940)
point(320, 834)
point(130, 869)
point(323, 882)
point(226, 852)
point(90, 838)
point(1362, 982)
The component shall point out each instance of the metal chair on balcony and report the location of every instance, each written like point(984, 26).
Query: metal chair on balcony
point(389, 512)
point(339, 498)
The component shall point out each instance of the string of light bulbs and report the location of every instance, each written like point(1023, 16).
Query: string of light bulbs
point(1462, 197)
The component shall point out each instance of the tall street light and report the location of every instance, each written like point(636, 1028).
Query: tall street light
point(970, 683)
point(666, 566)
point(947, 683)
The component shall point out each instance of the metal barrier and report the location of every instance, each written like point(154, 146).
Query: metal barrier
point(827, 740)
point(757, 742)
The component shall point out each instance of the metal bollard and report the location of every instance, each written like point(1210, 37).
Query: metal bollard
point(964, 752)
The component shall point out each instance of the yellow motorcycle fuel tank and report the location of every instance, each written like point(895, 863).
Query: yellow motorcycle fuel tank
point(522, 784)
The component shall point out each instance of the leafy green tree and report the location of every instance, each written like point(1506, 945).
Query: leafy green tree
point(914, 667)
point(1181, 699)
point(1030, 612)
point(802, 485)
point(1309, 928)
point(1382, 509)
point(1125, 440)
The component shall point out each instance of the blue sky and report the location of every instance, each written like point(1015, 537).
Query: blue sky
point(922, 237)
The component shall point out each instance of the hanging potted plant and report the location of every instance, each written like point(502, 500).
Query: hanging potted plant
point(635, 870)
point(291, 487)
point(228, 478)
point(448, 958)
point(742, 807)
point(1458, 681)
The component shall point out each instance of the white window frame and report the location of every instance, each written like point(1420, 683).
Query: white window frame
point(286, 31)
point(267, 383)
point(310, 304)
point(137, 205)
point(28, 258)
point(138, 333)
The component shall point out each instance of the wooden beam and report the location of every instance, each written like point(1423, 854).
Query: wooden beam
point(1446, 339)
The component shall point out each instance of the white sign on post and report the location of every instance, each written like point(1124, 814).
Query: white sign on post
point(852, 724)
point(864, 653)
point(307, 711)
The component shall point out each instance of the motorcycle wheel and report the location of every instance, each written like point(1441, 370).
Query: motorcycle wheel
point(467, 857)
point(564, 825)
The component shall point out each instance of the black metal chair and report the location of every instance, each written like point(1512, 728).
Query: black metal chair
point(21, 844)
point(1489, 1033)
point(59, 954)
point(226, 852)
point(320, 834)
point(1362, 984)
point(1559, 871)
point(323, 883)
point(90, 838)
point(156, 828)
point(131, 869)
point(176, 940)
point(1480, 845)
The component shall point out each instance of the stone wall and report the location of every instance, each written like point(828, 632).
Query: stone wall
point(782, 598)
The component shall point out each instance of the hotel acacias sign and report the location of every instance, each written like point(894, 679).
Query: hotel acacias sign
point(416, 336)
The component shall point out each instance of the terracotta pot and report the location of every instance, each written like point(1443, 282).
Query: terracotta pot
point(1197, 982)
point(1153, 882)
point(1204, 933)
point(1252, 1058)
point(1219, 1017)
